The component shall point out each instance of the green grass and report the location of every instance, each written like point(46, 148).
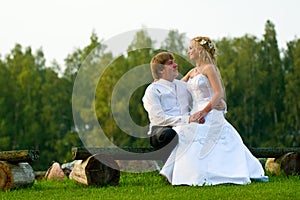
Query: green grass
point(152, 186)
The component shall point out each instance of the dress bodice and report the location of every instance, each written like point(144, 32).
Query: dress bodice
point(201, 91)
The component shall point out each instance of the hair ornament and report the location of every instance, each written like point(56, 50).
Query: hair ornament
point(203, 42)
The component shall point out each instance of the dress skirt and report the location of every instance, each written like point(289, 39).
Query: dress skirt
point(210, 154)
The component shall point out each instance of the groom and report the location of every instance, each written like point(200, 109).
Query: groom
point(167, 102)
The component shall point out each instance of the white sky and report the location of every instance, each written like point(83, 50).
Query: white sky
point(60, 26)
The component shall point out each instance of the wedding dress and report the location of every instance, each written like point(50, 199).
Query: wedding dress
point(211, 153)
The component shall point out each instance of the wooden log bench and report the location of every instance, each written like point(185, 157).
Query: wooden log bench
point(280, 161)
point(15, 170)
point(98, 166)
point(288, 159)
point(81, 153)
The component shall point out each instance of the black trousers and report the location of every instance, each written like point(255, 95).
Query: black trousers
point(163, 137)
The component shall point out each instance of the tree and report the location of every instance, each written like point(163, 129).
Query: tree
point(291, 100)
point(6, 104)
point(271, 103)
point(175, 42)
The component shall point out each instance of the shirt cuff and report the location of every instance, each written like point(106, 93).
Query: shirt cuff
point(185, 119)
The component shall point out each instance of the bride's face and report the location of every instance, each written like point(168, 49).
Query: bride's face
point(192, 51)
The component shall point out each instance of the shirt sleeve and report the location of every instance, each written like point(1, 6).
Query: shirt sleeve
point(157, 115)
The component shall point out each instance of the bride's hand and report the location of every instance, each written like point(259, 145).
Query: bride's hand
point(197, 117)
point(221, 105)
point(187, 76)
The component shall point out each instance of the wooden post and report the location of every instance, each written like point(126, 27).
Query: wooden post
point(96, 170)
point(15, 175)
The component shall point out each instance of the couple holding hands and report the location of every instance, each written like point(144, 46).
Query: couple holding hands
point(188, 125)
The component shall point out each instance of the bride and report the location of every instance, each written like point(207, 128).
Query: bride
point(211, 152)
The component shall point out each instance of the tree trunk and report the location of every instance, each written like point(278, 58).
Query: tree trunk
point(96, 170)
point(288, 164)
point(15, 175)
point(19, 155)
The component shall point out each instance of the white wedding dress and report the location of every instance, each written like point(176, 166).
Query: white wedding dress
point(211, 153)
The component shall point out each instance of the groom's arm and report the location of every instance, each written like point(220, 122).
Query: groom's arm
point(158, 114)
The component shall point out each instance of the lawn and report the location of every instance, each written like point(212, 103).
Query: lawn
point(152, 186)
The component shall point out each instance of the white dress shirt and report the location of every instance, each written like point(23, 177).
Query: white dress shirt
point(167, 103)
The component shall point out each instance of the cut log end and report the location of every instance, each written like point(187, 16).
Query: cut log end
point(6, 177)
point(102, 170)
point(55, 172)
point(97, 170)
point(288, 164)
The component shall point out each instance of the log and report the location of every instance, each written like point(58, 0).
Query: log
point(274, 152)
point(272, 166)
point(81, 153)
point(55, 172)
point(96, 170)
point(19, 155)
point(287, 164)
point(15, 175)
point(290, 163)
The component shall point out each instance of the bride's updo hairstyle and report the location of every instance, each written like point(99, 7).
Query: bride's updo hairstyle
point(209, 53)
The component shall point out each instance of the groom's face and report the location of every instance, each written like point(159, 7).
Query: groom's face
point(170, 72)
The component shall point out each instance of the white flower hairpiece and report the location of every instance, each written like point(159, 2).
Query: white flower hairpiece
point(211, 45)
point(203, 42)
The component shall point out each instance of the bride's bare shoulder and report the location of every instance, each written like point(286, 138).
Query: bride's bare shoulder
point(209, 69)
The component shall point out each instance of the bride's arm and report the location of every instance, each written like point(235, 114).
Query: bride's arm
point(187, 76)
point(214, 79)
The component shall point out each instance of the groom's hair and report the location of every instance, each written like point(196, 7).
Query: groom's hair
point(157, 63)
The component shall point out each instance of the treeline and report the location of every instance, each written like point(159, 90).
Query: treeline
point(261, 82)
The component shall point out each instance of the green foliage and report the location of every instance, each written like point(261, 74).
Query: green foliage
point(261, 84)
point(37, 112)
point(291, 100)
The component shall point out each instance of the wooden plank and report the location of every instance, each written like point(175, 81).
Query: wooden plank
point(19, 155)
point(274, 152)
point(81, 153)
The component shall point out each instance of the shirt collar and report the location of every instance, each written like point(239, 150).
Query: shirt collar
point(165, 82)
